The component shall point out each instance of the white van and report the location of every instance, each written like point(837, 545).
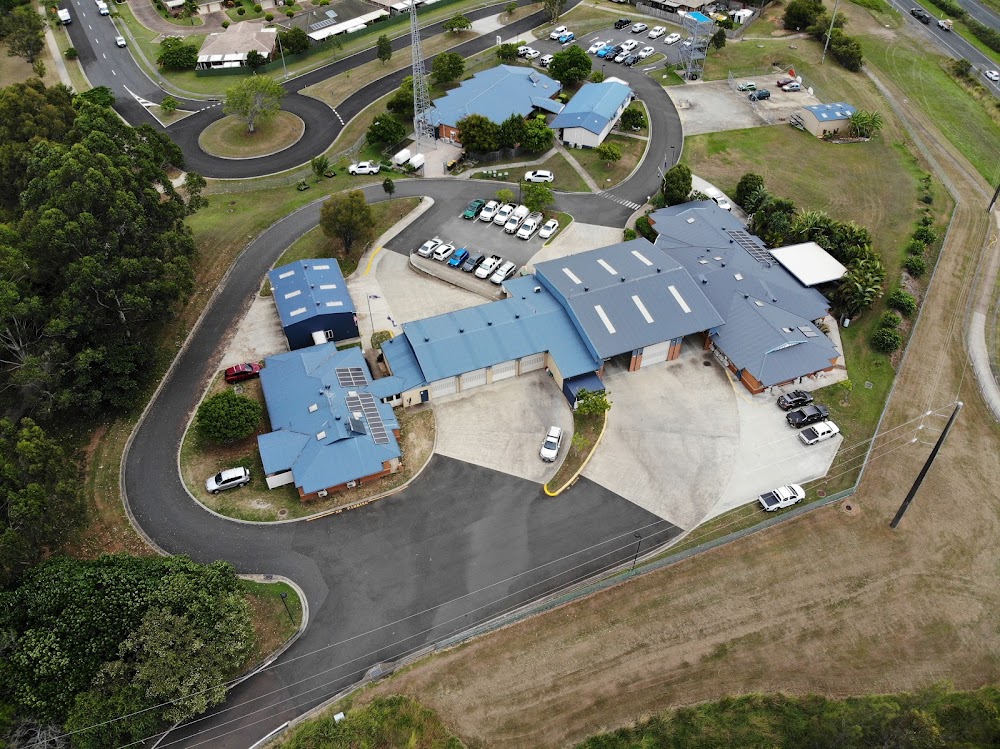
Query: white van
point(63, 16)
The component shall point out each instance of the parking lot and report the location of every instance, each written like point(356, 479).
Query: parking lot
point(712, 106)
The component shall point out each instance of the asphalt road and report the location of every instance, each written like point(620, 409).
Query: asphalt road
point(983, 14)
point(459, 546)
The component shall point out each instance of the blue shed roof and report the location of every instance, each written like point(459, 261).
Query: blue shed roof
point(307, 288)
point(832, 112)
point(403, 363)
point(316, 434)
point(628, 296)
point(496, 94)
point(593, 106)
point(527, 322)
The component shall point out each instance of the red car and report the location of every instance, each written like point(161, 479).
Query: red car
point(240, 372)
point(785, 81)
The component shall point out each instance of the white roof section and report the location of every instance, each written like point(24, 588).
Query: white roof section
point(809, 263)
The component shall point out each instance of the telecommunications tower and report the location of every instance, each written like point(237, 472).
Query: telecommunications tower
point(423, 130)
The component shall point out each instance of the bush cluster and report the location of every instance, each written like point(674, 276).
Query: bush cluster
point(915, 266)
point(886, 340)
point(902, 301)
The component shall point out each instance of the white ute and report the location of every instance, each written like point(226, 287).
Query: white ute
point(530, 226)
point(489, 265)
point(515, 219)
point(819, 432)
point(550, 447)
point(783, 496)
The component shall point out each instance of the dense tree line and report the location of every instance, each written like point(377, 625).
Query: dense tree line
point(810, 16)
point(94, 252)
point(82, 643)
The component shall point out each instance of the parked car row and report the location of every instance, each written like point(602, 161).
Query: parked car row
point(515, 219)
point(802, 412)
point(493, 267)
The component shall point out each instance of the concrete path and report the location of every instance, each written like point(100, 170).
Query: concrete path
point(57, 58)
point(501, 426)
point(673, 436)
point(584, 174)
point(484, 167)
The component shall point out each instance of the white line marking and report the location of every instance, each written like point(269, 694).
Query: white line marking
point(113, 73)
point(104, 56)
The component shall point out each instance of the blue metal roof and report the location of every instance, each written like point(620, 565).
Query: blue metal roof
point(402, 363)
point(314, 433)
point(772, 344)
point(589, 382)
point(528, 322)
point(496, 94)
point(832, 112)
point(628, 296)
point(307, 288)
point(593, 106)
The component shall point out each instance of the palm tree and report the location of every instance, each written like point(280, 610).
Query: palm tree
point(864, 124)
point(811, 225)
point(861, 286)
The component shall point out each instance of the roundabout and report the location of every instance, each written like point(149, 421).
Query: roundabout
point(229, 138)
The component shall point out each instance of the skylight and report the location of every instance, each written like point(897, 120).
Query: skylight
point(298, 311)
point(642, 258)
point(642, 309)
point(321, 267)
point(291, 294)
point(327, 286)
point(604, 318)
point(607, 267)
point(679, 299)
point(572, 276)
point(287, 273)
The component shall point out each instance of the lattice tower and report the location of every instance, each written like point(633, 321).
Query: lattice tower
point(423, 130)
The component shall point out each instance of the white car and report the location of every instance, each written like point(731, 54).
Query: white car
point(550, 228)
point(120, 41)
point(993, 75)
point(531, 54)
point(364, 167)
point(545, 61)
point(428, 247)
point(657, 31)
point(596, 46)
point(523, 50)
point(551, 445)
point(489, 210)
point(539, 175)
point(102, 9)
point(638, 28)
point(502, 273)
point(490, 264)
point(629, 45)
point(443, 251)
point(646, 52)
point(782, 497)
point(228, 479)
point(824, 430)
point(558, 32)
point(672, 38)
point(530, 226)
point(504, 213)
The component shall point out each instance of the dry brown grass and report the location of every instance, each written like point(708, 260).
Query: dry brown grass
point(229, 137)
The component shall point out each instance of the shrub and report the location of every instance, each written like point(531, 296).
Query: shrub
point(269, 17)
point(227, 416)
point(258, 8)
point(749, 183)
point(915, 266)
point(902, 301)
point(225, 24)
point(886, 340)
point(890, 320)
point(926, 220)
point(925, 234)
point(241, 11)
point(927, 199)
point(71, 53)
point(169, 105)
point(629, 234)
point(915, 247)
point(289, 13)
point(643, 226)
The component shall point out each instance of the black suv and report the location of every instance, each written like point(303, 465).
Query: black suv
point(759, 95)
point(621, 23)
point(807, 415)
point(921, 15)
point(630, 60)
point(794, 399)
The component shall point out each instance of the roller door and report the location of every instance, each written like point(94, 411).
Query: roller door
point(473, 379)
point(532, 363)
point(655, 354)
point(443, 387)
point(503, 370)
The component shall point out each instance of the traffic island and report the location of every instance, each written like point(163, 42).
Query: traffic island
point(587, 434)
point(228, 138)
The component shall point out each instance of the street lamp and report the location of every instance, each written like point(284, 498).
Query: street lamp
point(638, 536)
point(370, 318)
point(282, 51)
point(520, 181)
point(672, 155)
point(284, 600)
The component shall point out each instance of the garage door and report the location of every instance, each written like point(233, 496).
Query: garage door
point(473, 379)
point(503, 370)
point(655, 354)
point(443, 387)
point(532, 363)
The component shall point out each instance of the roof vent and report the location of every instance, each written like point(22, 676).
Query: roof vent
point(746, 296)
point(586, 288)
point(461, 330)
point(426, 339)
point(337, 417)
point(730, 241)
point(517, 317)
point(537, 289)
point(489, 323)
point(623, 279)
point(658, 270)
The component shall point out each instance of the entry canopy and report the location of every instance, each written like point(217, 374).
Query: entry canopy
point(809, 263)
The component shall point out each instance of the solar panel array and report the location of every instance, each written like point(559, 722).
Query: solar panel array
point(746, 241)
point(365, 403)
point(351, 377)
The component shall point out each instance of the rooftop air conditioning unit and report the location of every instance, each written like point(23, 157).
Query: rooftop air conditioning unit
point(322, 493)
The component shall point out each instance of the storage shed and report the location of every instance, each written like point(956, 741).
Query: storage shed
point(313, 303)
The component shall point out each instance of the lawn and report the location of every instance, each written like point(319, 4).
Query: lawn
point(567, 179)
point(273, 624)
point(609, 176)
point(586, 431)
point(230, 138)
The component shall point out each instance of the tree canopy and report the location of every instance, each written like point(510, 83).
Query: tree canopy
point(176, 55)
point(254, 100)
point(507, 52)
point(677, 184)
point(23, 32)
point(90, 641)
point(457, 23)
point(512, 131)
point(383, 48)
point(88, 272)
point(570, 66)
point(447, 67)
point(538, 136)
point(294, 40)
point(401, 102)
point(537, 197)
point(385, 129)
point(349, 218)
point(478, 133)
point(228, 416)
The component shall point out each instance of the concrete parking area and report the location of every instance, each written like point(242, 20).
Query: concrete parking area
point(673, 436)
point(259, 334)
point(577, 237)
point(407, 295)
point(501, 426)
point(712, 106)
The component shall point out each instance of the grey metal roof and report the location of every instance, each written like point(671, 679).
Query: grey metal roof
point(528, 322)
point(628, 296)
point(772, 344)
point(307, 288)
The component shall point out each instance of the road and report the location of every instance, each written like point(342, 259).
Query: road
point(985, 15)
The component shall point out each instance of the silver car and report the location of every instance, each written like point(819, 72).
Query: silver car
point(230, 478)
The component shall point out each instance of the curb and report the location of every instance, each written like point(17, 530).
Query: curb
point(575, 476)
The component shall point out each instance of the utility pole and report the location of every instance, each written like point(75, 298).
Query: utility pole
point(830, 32)
point(989, 208)
point(923, 471)
point(282, 51)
